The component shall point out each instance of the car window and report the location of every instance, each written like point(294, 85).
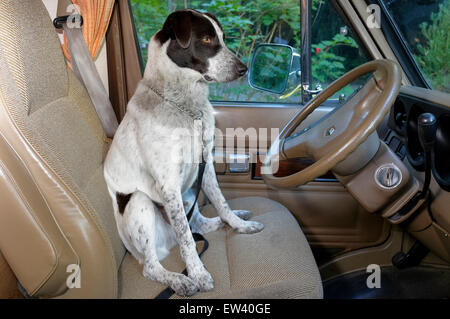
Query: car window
point(248, 23)
point(335, 49)
point(425, 27)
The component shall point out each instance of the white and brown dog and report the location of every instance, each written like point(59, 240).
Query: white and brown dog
point(145, 178)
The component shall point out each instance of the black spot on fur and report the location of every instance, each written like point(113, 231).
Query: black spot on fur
point(188, 27)
point(122, 201)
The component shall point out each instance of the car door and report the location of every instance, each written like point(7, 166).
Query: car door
point(330, 218)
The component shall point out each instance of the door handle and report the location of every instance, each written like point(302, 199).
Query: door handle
point(239, 163)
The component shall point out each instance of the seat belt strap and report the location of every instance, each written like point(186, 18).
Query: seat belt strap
point(84, 68)
point(201, 171)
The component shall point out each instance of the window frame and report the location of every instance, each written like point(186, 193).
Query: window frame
point(400, 48)
point(302, 101)
point(124, 65)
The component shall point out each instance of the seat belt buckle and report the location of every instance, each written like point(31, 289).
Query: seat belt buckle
point(59, 21)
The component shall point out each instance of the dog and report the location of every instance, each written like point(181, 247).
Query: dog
point(151, 192)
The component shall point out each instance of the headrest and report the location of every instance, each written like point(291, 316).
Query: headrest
point(32, 48)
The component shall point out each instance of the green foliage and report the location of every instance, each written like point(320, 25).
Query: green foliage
point(149, 16)
point(271, 68)
point(327, 66)
point(433, 57)
point(248, 23)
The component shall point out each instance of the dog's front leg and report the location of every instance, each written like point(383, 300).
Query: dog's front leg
point(212, 190)
point(173, 205)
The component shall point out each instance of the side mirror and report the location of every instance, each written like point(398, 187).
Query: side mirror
point(270, 69)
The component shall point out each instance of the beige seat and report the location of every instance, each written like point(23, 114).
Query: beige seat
point(275, 263)
point(56, 213)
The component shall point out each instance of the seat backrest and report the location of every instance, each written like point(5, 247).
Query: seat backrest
point(56, 214)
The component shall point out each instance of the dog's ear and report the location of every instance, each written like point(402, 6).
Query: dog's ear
point(179, 25)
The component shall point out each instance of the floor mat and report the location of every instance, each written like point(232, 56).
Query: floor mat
point(415, 282)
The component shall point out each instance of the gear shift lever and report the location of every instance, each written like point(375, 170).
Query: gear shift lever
point(427, 131)
point(427, 135)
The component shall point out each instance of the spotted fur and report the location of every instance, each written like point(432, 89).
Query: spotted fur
point(146, 158)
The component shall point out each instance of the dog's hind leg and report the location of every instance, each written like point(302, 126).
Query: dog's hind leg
point(201, 224)
point(141, 223)
point(212, 190)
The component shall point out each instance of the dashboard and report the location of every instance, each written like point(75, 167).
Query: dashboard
point(405, 142)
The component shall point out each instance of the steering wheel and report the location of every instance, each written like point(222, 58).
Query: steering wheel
point(333, 138)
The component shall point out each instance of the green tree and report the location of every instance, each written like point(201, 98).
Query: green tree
point(247, 23)
point(433, 57)
point(149, 16)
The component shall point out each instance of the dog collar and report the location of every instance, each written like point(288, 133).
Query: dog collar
point(194, 115)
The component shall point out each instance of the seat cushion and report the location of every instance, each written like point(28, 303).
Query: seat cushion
point(275, 263)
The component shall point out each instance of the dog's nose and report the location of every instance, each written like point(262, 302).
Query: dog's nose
point(242, 69)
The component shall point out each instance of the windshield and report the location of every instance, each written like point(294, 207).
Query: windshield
point(425, 26)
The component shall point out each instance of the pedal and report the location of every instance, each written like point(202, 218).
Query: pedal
point(412, 258)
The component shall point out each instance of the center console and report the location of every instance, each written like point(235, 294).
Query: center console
point(408, 180)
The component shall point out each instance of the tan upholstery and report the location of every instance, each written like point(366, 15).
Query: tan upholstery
point(56, 185)
point(276, 263)
point(55, 208)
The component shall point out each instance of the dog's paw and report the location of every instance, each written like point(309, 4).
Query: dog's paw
point(250, 227)
point(184, 286)
point(244, 214)
point(204, 280)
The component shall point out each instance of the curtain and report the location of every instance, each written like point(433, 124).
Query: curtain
point(96, 15)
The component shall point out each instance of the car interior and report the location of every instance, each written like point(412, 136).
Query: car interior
point(363, 160)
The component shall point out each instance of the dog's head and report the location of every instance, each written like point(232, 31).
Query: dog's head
point(197, 42)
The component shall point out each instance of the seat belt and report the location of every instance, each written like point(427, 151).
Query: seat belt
point(84, 68)
point(201, 171)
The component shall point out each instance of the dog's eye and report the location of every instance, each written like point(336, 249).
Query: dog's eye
point(206, 39)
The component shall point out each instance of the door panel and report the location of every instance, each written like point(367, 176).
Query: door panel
point(330, 218)
point(261, 116)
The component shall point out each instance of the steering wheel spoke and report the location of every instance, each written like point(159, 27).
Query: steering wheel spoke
point(296, 145)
